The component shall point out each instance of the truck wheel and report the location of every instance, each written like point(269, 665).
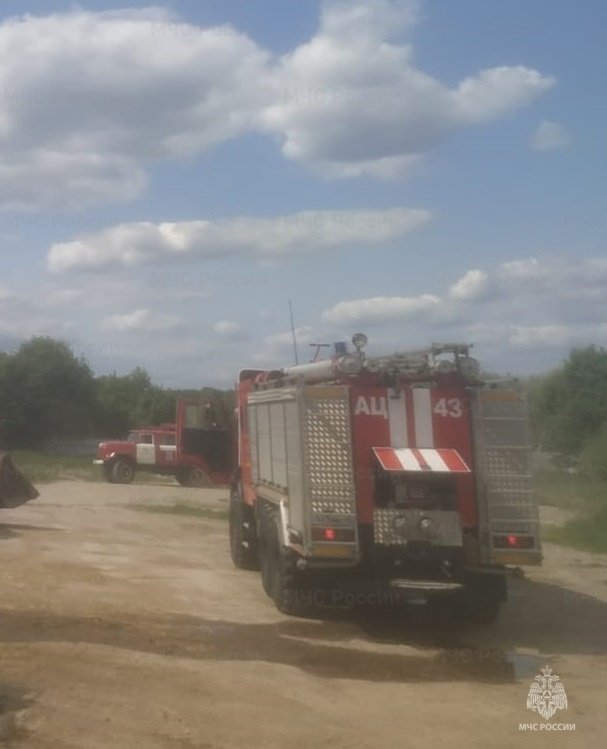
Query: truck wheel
point(278, 573)
point(242, 548)
point(192, 476)
point(123, 471)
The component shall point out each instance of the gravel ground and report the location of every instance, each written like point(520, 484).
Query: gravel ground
point(121, 627)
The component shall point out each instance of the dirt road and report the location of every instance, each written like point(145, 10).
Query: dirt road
point(122, 627)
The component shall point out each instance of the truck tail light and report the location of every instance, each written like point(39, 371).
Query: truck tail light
point(513, 541)
point(320, 533)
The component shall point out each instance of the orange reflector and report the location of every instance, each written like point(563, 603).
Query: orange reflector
point(329, 534)
point(512, 540)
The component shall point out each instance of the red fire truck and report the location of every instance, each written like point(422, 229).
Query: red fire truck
point(197, 449)
point(378, 479)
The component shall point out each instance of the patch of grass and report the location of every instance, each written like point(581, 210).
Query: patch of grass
point(569, 491)
point(587, 533)
point(41, 468)
point(180, 508)
point(585, 496)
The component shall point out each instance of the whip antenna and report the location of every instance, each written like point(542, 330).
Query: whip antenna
point(293, 333)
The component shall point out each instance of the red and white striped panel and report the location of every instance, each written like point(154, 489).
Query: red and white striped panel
point(422, 459)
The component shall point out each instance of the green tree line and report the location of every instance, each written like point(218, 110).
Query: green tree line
point(48, 393)
point(569, 411)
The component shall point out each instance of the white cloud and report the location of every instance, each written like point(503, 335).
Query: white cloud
point(226, 327)
point(276, 349)
point(229, 330)
point(279, 342)
point(89, 99)
point(549, 136)
point(381, 309)
point(496, 91)
point(299, 233)
point(529, 302)
point(6, 294)
point(141, 320)
point(380, 19)
point(522, 270)
point(61, 297)
point(352, 103)
point(473, 285)
point(560, 275)
point(19, 329)
point(541, 335)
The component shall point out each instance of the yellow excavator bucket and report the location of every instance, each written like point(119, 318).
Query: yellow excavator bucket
point(15, 489)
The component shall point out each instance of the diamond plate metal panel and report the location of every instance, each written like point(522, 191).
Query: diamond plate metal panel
point(504, 432)
point(504, 462)
point(328, 453)
point(302, 446)
point(524, 527)
point(503, 403)
point(338, 506)
point(333, 520)
point(505, 483)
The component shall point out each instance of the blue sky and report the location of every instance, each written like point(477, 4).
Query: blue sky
point(420, 171)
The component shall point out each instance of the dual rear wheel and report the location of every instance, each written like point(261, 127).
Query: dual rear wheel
point(264, 550)
point(279, 575)
point(242, 531)
point(285, 585)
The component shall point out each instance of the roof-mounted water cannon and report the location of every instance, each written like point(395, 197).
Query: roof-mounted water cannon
point(469, 368)
point(444, 366)
point(359, 341)
point(341, 365)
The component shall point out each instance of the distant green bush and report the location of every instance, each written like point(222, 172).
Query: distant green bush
point(593, 457)
point(569, 405)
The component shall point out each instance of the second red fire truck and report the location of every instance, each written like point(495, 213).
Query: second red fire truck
point(196, 449)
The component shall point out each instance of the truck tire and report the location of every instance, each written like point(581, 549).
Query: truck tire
point(192, 476)
point(278, 573)
point(123, 471)
point(242, 542)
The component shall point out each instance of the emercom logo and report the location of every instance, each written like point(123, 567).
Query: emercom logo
point(546, 696)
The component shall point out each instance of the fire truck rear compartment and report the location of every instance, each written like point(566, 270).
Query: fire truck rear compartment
point(213, 445)
point(404, 536)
